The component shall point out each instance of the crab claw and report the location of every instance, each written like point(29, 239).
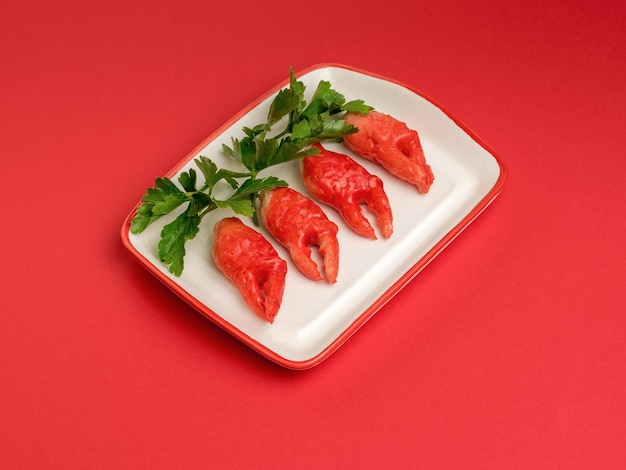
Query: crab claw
point(297, 223)
point(390, 143)
point(252, 264)
point(339, 181)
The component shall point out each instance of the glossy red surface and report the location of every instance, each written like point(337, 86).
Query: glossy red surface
point(390, 143)
point(251, 263)
point(506, 351)
point(339, 181)
point(297, 222)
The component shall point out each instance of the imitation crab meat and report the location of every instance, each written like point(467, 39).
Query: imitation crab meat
point(298, 223)
point(342, 183)
point(390, 143)
point(252, 264)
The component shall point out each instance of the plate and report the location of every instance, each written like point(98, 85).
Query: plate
point(315, 317)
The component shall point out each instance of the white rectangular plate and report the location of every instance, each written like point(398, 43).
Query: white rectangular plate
point(315, 317)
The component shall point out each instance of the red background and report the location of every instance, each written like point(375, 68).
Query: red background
point(506, 352)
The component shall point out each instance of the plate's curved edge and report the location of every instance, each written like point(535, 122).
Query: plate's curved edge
point(202, 308)
point(319, 357)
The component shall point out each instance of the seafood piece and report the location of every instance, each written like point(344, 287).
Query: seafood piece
point(298, 223)
point(252, 264)
point(342, 183)
point(390, 143)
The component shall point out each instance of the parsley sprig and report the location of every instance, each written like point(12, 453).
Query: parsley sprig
point(307, 124)
point(261, 148)
point(166, 196)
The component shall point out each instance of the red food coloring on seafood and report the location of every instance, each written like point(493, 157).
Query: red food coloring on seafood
point(252, 264)
point(342, 183)
point(390, 143)
point(298, 223)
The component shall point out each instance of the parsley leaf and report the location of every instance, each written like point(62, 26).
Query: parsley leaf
point(173, 238)
point(286, 101)
point(158, 201)
point(357, 106)
point(188, 180)
point(212, 174)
